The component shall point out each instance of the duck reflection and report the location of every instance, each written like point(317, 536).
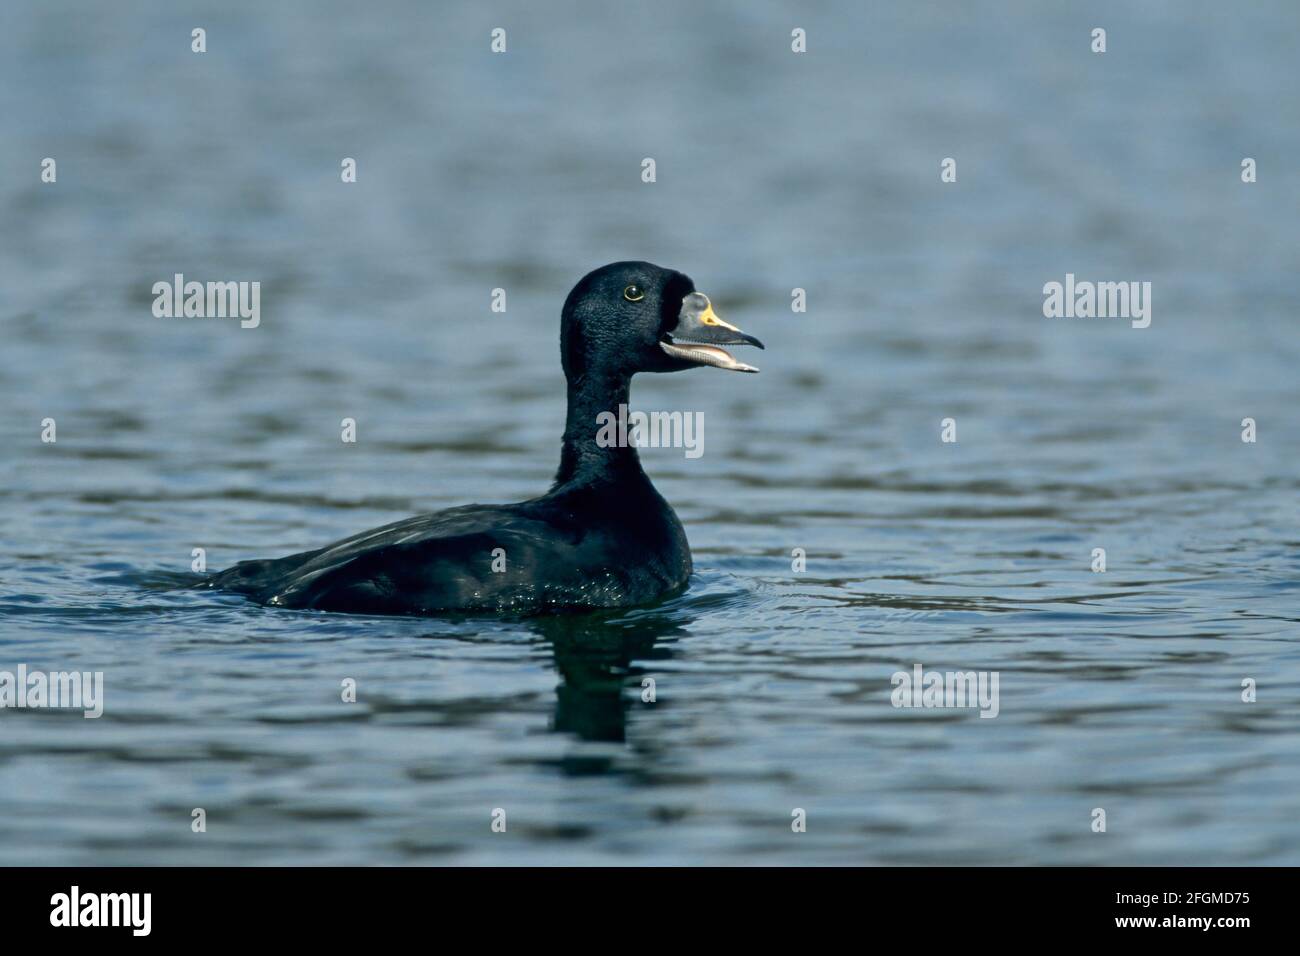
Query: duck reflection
point(594, 655)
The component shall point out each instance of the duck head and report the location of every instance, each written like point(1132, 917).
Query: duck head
point(630, 317)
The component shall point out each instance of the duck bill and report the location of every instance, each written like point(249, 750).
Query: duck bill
point(700, 336)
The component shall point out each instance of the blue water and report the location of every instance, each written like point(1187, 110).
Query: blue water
point(1119, 690)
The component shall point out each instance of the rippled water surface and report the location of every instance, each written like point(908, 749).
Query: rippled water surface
point(1119, 690)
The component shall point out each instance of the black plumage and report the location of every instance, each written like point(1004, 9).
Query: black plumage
point(601, 537)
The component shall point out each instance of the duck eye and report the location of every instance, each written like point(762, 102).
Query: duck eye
point(634, 293)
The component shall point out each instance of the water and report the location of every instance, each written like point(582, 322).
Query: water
point(1120, 690)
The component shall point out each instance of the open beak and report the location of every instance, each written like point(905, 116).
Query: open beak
point(700, 335)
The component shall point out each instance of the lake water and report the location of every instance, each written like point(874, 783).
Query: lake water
point(1119, 690)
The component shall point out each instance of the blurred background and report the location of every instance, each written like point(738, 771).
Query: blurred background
point(775, 171)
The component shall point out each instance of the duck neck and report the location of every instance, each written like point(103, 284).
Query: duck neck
point(597, 403)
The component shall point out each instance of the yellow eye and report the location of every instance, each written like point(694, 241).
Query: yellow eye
point(633, 293)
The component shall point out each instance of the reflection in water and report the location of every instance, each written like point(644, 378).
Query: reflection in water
point(594, 654)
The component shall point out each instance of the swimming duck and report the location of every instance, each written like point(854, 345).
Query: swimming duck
point(602, 537)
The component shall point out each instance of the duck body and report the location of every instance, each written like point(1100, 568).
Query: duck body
point(602, 537)
point(584, 545)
